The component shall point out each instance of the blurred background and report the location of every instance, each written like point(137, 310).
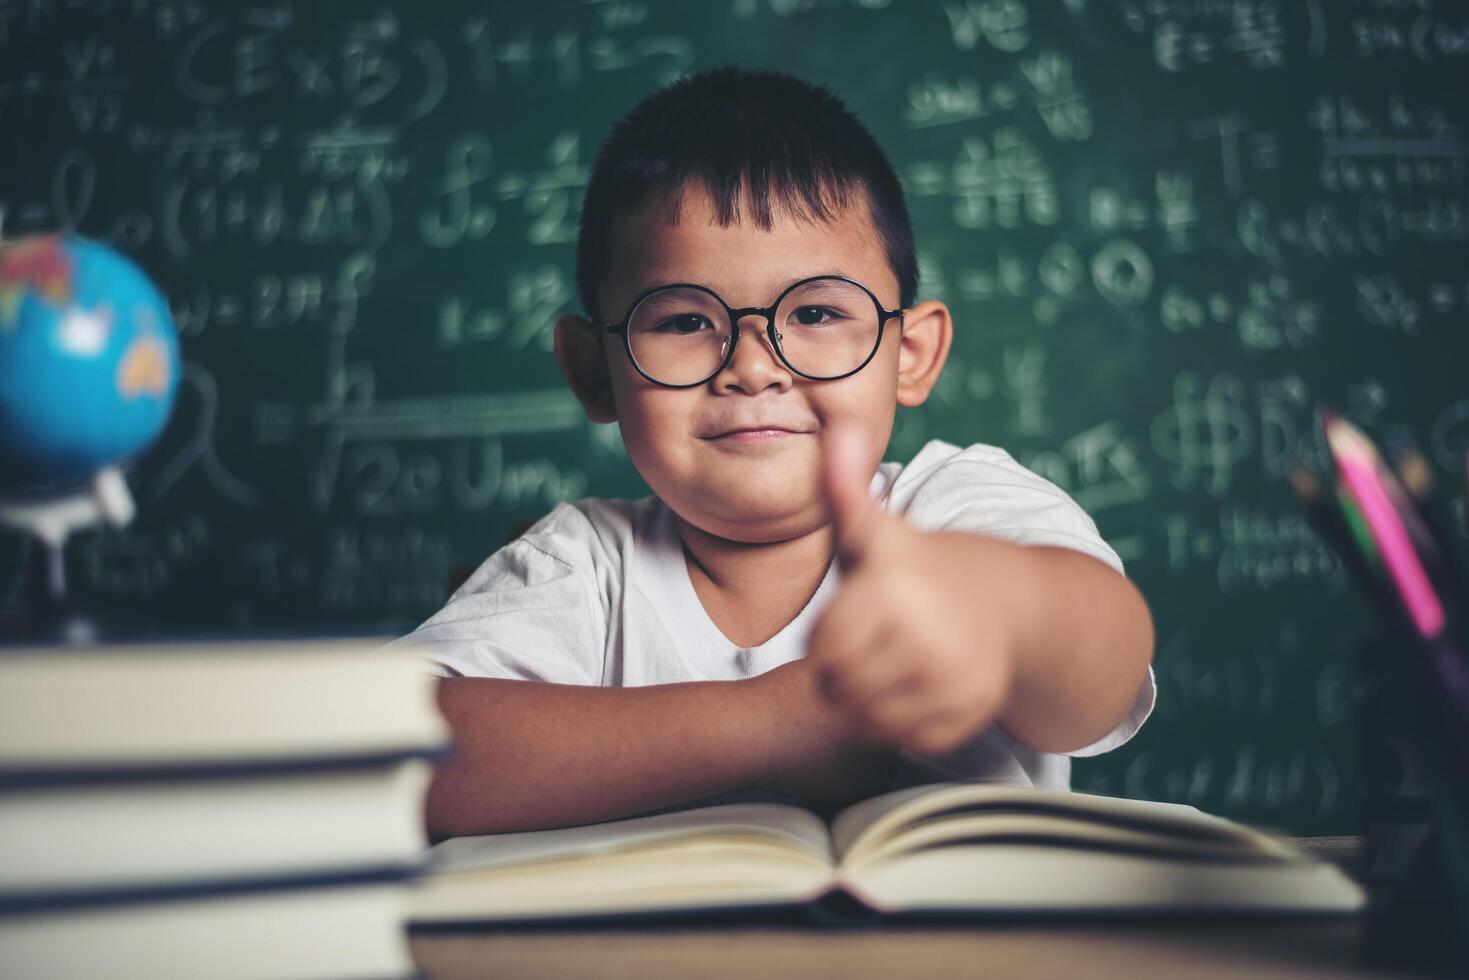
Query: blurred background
point(1167, 230)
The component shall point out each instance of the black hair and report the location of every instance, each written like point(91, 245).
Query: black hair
point(744, 135)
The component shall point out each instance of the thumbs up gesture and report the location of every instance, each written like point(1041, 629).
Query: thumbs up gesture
point(916, 646)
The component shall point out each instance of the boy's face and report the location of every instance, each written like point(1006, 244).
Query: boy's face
point(752, 488)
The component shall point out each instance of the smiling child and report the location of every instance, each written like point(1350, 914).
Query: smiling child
point(787, 613)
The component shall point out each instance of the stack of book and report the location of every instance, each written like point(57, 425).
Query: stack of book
point(223, 809)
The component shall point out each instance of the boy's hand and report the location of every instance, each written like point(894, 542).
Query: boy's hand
point(919, 644)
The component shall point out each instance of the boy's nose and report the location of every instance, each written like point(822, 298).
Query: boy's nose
point(755, 365)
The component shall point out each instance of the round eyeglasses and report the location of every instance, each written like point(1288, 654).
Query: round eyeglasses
point(823, 328)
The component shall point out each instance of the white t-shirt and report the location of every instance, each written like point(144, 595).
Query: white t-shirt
point(598, 593)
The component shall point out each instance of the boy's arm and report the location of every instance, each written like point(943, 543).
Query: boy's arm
point(994, 617)
point(1084, 647)
point(530, 755)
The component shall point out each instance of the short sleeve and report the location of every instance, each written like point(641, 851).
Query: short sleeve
point(528, 612)
point(982, 488)
point(1142, 707)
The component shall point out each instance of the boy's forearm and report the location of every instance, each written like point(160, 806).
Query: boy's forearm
point(531, 755)
point(1086, 642)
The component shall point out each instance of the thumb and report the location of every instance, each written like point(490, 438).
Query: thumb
point(845, 481)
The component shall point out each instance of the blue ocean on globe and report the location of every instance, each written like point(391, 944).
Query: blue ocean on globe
point(89, 363)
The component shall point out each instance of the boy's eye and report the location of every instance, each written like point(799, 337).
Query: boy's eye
point(812, 316)
point(683, 323)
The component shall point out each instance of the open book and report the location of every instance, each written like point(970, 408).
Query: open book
point(925, 851)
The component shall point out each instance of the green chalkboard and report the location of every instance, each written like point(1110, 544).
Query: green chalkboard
point(1167, 230)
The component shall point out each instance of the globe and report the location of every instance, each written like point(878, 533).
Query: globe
point(89, 364)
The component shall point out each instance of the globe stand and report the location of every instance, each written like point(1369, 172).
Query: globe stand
point(52, 614)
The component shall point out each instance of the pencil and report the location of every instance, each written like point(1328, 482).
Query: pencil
point(1357, 462)
point(1336, 533)
point(1410, 485)
point(1417, 478)
point(1416, 504)
point(1352, 517)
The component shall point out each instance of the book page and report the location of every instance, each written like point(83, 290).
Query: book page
point(1018, 879)
point(781, 823)
point(850, 823)
point(670, 874)
point(1044, 830)
point(871, 822)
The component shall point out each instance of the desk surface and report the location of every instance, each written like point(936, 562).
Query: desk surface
point(1195, 949)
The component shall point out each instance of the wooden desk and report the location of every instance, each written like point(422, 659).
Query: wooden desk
point(1131, 949)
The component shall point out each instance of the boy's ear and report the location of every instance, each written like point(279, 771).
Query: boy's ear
point(579, 354)
point(927, 333)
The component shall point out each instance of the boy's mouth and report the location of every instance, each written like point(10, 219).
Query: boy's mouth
point(756, 431)
point(754, 435)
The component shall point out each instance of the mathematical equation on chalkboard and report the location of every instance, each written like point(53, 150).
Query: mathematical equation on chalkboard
point(1167, 231)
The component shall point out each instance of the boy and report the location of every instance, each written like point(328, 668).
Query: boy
point(784, 614)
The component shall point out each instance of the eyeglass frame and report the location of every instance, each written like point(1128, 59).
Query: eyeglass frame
point(738, 313)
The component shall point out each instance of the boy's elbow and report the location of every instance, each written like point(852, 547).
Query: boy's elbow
point(1139, 632)
point(450, 811)
point(445, 812)
point(449, 806)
